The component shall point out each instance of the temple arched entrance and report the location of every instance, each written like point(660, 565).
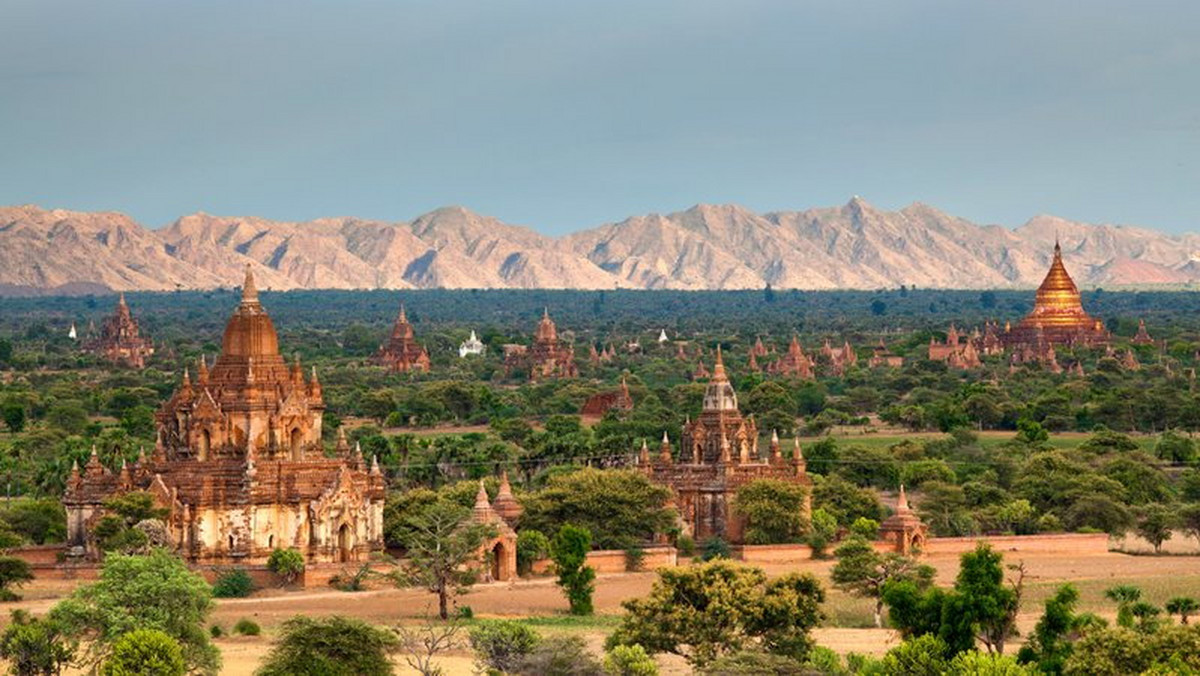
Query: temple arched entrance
point(205, 444)
point(345, 546)
point(296, 440)
point(498, 561)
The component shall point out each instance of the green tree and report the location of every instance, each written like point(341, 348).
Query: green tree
point(1176, 448)
point(156, 591)
point(13, 414)
point(288, 564)
point(773, 509)
point(1052, 640)
point(707, 610)
point(618, 507)
point(36, 647)
point(990, 604)
point(443, 545)
point(330, 646)
point(863, 571)
point(144, 652)
point(921, 656)
point(532, 546)
point(822, 529)
point(1156, 524)
point(40, 521)
point(14, 572)
point(577, 579)
point(1184, 607)
point(1125, 596)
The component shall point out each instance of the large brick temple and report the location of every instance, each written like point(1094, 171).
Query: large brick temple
point(401, 352)
point(239, 463)
point(120, 340)
point(719, 454)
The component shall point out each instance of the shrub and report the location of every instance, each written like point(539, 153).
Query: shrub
point(330, 646)
point(715, 548)
point(247, 627)
point(635, 556)
point(753, 662)
point(559, 656)
point(532, 546)
point(629, 660)
point(286, 563)
point(824, 529)
point(36, 646)
point(502, 644)
point(464, 612)
point(686, 545)
point(144, 652)
point(216, 631)
point(233, 584)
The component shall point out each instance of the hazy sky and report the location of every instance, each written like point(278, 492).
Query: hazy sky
point(566, 114)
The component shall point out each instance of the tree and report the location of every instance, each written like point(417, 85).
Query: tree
point(577, 579)
point(144, 652)
point(991, 604)
point(14, 572)
point(40, 521)
point(845, 501)
point(500, 645)
point(629, 660)
point(618, 507)
point(559, 656)
point(156, 591)
point(36, 647)
point(1051, 642)
point(863, 571)
point(922, 656)
point(442, 544)
point(288, 564)
point(707, 610)
point(774, 511)
point(976, 663)
point(422, 644)
point(755, 663)
point(1156, 524)
point(1125, 596)
point(1175, 447)
point(1184, 607)
point(330, 646)
point(1146, 615)
point(13, 413)
point(532, 546)
point(822, 530)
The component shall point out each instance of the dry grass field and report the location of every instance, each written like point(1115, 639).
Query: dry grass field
point(539, 603)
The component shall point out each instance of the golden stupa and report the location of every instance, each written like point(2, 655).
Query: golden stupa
point(1058, 317)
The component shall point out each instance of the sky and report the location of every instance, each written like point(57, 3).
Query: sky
point(563, 115)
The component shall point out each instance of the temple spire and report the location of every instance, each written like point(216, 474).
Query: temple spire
point(249, 290)
point(719, 367)
point(902, 501)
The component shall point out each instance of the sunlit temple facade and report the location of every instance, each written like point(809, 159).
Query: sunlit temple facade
point(239, 463)
point(719, 453)
point(548, 357)
point(401, 353)
point(1058, 317)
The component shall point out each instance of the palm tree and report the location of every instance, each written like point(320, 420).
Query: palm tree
point(1125, 595)
point(1146, 614)
point(1183, 606)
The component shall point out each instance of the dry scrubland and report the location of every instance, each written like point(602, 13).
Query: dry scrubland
point(540, 603)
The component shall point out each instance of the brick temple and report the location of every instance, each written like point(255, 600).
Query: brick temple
point(120, 340)
point(239, 463)
point(719, 453)
point(547, 357)
point(401, 353)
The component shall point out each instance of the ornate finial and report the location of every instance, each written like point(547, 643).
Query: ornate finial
point(121, 300)
point(719, 367)
point(481, 498)
point(644, 453)
point(902, 501)
point(249, 290)
point(545, 312)
point(187, 378)
point(775, 436)
point(375, 464)
point(202, 370)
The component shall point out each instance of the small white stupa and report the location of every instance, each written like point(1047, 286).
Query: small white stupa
point(471, 346)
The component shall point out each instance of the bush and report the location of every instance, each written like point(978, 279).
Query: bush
point(532, 546)
point(629, 660)
point(144, 652)
point(635, 556)
point(559, 656)
point(216, 631)
point(686, 545)
point(502, 644)
point(233, 584)
point(36, 646)
point(331, 646)
point(464, 612)
point(715, 548)
point(753, 662)
point(287, 564)
point(247, 627)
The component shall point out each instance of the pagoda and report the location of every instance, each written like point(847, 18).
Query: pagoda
point(719, 453)
point(1143, 336)
point(547, 357)
point(120, 341)
point(402, 353)
point(239, 465)
point(601, 403)
point(1058, 317)
point(904, 530)
point(794, 363)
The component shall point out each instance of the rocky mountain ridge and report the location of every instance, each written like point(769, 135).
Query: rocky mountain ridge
point(855, 246)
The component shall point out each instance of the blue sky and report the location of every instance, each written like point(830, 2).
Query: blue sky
point(567, 114)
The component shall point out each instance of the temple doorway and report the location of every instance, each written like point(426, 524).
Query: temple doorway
point(498, 561)
point(344, 547)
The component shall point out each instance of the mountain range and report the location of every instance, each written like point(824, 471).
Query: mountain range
point(854, 246)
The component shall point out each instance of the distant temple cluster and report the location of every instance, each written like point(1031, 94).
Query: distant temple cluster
point(547, 357)
point(119, 340)
point(239, 464)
